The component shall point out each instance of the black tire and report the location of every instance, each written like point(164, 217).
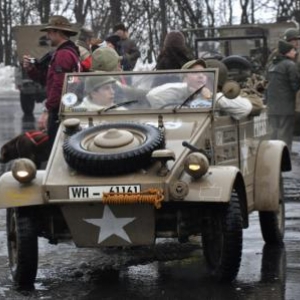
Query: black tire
point(22, 243)
point(222, 240)
point(113, 160)
point(272, 224)
point(27, 104)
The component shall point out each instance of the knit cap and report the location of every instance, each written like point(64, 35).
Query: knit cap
point(284, 47)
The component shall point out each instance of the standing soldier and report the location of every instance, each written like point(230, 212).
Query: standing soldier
point(283, 84)
point(65, 59)
point(130, 52)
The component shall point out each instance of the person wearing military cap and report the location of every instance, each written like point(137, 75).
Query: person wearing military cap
point(283, 84)
point(84, 45)
point(105, 59)
point(64, 59)
point(237, 108)
point(100, 93)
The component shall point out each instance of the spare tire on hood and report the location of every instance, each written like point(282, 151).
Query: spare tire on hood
point(112, 148)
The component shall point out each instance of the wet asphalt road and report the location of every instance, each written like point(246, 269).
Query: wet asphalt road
point(170, 270)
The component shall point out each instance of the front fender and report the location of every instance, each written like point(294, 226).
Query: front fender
point(273, 158)
point(215, 186)
point(14, 194)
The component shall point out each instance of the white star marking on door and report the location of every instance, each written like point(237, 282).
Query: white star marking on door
point(109, 225)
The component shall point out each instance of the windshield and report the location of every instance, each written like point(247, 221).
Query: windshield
point(109, 92)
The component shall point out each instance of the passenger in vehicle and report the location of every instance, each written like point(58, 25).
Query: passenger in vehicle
point(100, 93)
point(191, 84)
point(237, 108)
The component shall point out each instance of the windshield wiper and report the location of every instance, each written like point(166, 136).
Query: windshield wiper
point(188, 98)
point(118, 105)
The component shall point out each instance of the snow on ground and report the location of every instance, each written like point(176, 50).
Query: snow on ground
point(7, 78)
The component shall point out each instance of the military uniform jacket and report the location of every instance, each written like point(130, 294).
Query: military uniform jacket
point(283, 84)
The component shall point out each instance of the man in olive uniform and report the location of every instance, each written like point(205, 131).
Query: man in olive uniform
point(291, 35)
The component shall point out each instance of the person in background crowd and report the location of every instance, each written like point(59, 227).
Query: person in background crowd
point(65, 59)
point(105, 59)
point(283, 84)
point(174, 54)
point(129, 51)
point(114, 41)
point(84, 45)
point(290, 35)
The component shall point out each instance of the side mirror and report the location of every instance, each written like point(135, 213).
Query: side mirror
point(231, 89)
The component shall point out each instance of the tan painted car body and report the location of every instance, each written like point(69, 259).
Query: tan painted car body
point(241, 157)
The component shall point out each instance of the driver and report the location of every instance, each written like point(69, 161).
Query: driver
point(237, 108)
point(192, 84)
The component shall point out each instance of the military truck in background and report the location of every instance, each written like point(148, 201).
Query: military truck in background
point(31, 41)
point(244, 49)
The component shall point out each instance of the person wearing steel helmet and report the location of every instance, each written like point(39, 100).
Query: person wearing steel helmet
point(290, 35)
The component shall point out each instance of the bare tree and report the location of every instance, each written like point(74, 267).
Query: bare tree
point(116, 11)
point(81, 8)
point(244, 7)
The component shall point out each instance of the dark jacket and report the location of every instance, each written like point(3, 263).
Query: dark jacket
point(65, 59)
point(283, 84)
point(130, 54)
point(173, 58)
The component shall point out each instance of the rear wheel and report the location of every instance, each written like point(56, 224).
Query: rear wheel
point(22, 242)
point(27, 104)
point(272, 223)
point(222, 241)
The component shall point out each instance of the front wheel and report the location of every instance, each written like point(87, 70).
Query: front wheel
point(222, 240)
point(22, 243)
point(272, 223)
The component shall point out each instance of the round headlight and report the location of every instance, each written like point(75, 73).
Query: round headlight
point(24, 170)
point(196, 164)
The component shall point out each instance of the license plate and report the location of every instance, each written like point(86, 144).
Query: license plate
point(96, 192)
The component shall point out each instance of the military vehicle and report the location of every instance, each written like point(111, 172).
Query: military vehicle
point(30, 41)
point(244, 49)
point(126, 173)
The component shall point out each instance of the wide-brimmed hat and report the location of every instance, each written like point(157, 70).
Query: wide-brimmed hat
point(60, 23)
point(85, 33)
point(95, 82)
point(194, 62)
point(105, 59)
